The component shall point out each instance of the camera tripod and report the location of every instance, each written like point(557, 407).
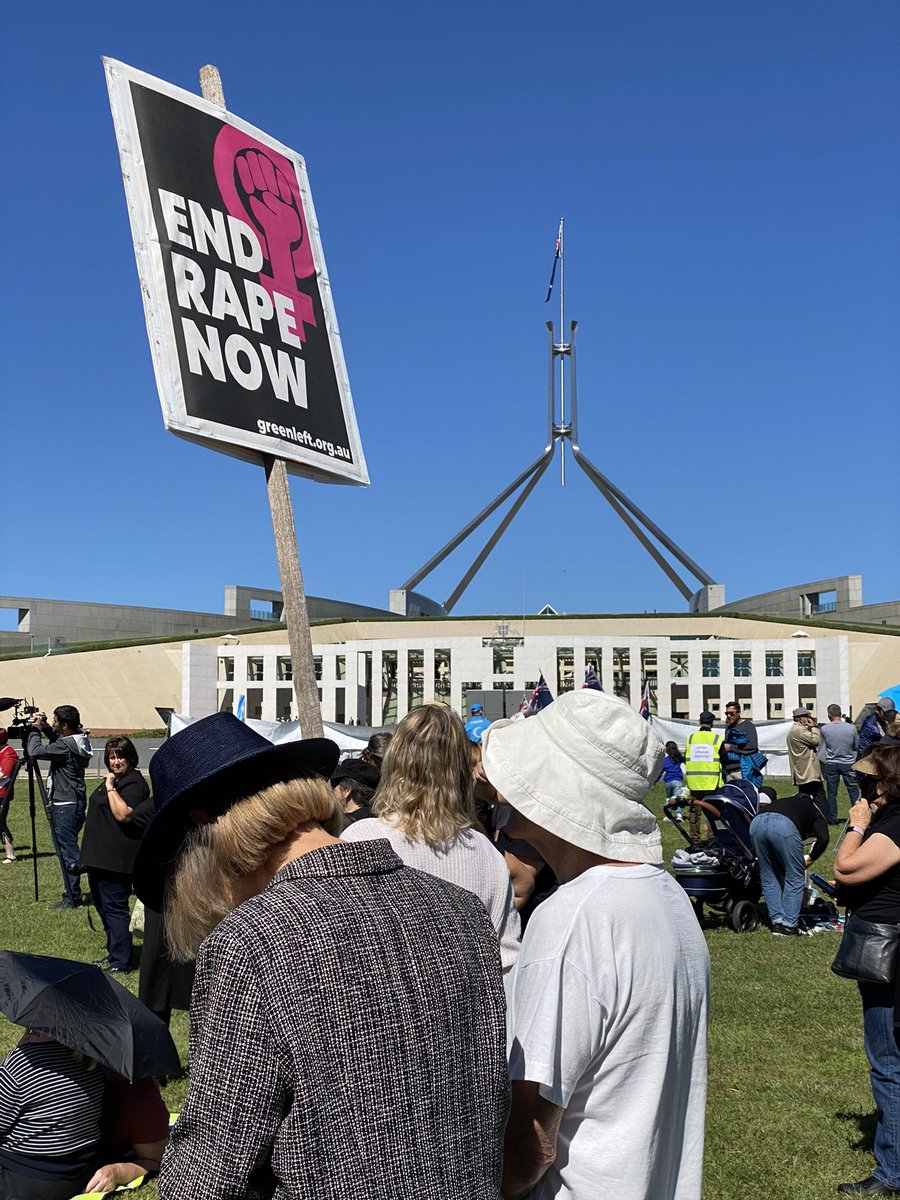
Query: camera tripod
point(36, 786)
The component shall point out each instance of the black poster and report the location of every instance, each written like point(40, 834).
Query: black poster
point(232, 249)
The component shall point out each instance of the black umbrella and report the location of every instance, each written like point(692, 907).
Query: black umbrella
point(81, 1007)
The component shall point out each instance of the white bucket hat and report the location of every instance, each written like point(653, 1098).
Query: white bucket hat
point(581, 769)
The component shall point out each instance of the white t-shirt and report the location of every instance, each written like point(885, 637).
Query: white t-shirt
point(608, 1013)
point(469, 861)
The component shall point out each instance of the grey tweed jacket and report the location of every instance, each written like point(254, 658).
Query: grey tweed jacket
point(347, 1041)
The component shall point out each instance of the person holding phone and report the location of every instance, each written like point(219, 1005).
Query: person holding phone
point(867, 868)
point(803, 741)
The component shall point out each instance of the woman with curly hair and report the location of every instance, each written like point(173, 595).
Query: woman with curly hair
point(425, 808)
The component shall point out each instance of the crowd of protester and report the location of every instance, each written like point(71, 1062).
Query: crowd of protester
point(454, 966)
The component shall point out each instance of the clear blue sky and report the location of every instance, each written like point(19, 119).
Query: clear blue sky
point(729, 176)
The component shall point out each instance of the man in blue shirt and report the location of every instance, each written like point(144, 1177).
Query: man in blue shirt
point(477, 724)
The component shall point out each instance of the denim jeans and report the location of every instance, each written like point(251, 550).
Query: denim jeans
point(779, 850)
point(110, 892)
point(883, 1054)
point(68, 820)
point(834, 773)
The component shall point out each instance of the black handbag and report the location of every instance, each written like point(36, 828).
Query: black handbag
point(868, 951)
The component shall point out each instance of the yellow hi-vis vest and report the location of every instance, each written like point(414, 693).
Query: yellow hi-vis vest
point(702, 769)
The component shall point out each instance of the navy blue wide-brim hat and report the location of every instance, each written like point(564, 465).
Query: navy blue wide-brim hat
point(210, 766)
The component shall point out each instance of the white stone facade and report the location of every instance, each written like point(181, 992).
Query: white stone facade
point(769, 676)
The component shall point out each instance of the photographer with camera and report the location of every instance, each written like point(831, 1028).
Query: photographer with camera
point(68, 752)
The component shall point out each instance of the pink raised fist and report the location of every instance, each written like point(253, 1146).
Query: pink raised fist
point(272, 202)
point(259, 184)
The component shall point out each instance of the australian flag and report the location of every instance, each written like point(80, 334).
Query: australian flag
point(539, 699)
point(645, 703)
point(591, 680)
point(556, 258)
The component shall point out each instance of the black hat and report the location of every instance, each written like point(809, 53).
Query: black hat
point(210, 766)
point(355, 768)
point(707, 718)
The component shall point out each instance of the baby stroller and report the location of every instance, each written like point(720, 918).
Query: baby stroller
point(722, 872)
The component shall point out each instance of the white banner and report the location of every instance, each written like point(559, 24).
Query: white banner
point(772, 740)
point(242, 328)
point(284, 731)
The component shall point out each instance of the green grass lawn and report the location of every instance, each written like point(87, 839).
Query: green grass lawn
point(790, 1113)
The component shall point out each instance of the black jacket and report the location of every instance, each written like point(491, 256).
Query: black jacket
point(68, 756)
point(806, 815)
point(109, 844)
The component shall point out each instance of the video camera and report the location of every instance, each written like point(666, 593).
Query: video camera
point(22, 724)
point(23, 720)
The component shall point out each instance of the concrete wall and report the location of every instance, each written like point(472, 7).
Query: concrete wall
point(237, 602)
point(798, 600)
point(874, 666)
point(868, 614)
point(320, 608)
point(77, 621)
point(66, 622)
point(414, 604)
point(198, 679)
point(708, 598)
point(112, 689)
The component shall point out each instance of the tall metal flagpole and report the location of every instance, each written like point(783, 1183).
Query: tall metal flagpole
point(562, 363)
point(560, 431)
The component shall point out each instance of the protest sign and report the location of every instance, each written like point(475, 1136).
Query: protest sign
point(240, 318)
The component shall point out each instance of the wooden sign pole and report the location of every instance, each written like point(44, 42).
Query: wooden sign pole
point(296, 617)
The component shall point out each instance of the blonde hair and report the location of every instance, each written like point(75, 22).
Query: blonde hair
point(426, 779)
point(199, 892)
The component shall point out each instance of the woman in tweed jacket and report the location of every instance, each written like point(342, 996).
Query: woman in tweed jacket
point(347, 1023)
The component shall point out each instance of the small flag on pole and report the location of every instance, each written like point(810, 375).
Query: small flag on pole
point(645, 702)
point(591, 680)
point(556, 257)
point(539, 699)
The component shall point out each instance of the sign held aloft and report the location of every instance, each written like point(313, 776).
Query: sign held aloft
point(242, 328)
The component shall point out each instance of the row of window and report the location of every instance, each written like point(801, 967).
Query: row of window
point(284, 669)
point(503, 665)
point(415, 680)
point(678, 663)
point(806, 665)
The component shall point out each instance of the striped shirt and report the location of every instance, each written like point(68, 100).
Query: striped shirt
point(50, 1101)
